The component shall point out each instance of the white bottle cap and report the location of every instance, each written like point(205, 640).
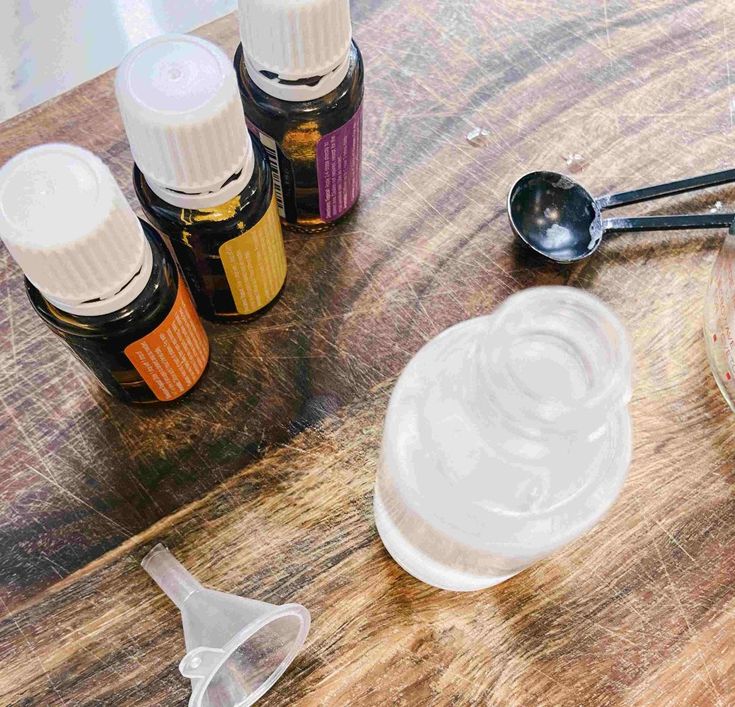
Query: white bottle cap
point(67, 224)
point(296, 40)
point(183, 114)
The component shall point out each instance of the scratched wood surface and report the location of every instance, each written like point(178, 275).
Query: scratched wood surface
point(261, 480)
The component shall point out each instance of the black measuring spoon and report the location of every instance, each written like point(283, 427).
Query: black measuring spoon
point(560, 219)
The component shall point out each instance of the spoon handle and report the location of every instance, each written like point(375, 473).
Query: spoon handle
point(660, 190)
point(667, 223)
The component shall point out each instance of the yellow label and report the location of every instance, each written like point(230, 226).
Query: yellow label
point(255, 263)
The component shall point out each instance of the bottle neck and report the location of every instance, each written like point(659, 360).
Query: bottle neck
point(116, 301)
point(551, 374)
point(206, 198)
point(305, 88)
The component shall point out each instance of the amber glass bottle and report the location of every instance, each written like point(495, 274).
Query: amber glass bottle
point(197, 235)
point(198, 176)
point(99, 278)
point(100, 341)
point(303, 101)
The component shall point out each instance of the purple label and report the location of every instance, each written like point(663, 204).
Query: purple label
point(338, 162)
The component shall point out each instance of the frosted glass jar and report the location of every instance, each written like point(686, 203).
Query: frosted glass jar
point(506, 437)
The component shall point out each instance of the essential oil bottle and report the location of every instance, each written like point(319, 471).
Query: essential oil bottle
point(100, 278)
point(302, 80)
point(198, 176)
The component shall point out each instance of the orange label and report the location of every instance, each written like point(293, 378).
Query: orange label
point(172, 358)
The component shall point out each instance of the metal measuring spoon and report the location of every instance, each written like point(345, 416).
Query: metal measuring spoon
point(560, 219)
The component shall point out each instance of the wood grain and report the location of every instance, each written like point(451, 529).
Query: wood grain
point(261, 480)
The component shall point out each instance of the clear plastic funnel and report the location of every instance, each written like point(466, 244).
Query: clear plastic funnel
point(236, 648)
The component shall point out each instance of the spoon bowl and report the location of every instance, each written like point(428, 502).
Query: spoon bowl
point(555, 216)
point(562, 221)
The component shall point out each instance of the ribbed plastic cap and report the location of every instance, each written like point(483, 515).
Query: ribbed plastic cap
point(67, 224)
point(181, 106)
point(295, 39)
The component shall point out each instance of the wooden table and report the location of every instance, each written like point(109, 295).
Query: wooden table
point(261, 480)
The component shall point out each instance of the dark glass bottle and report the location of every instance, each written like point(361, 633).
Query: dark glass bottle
point(196, 236)
point(199, 176)
point(297, 128)
point(100, 278)
point(99, 342)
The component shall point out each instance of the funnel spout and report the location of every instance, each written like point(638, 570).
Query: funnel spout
point(170, 575)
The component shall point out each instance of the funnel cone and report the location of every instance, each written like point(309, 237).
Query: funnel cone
point(236, 648)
